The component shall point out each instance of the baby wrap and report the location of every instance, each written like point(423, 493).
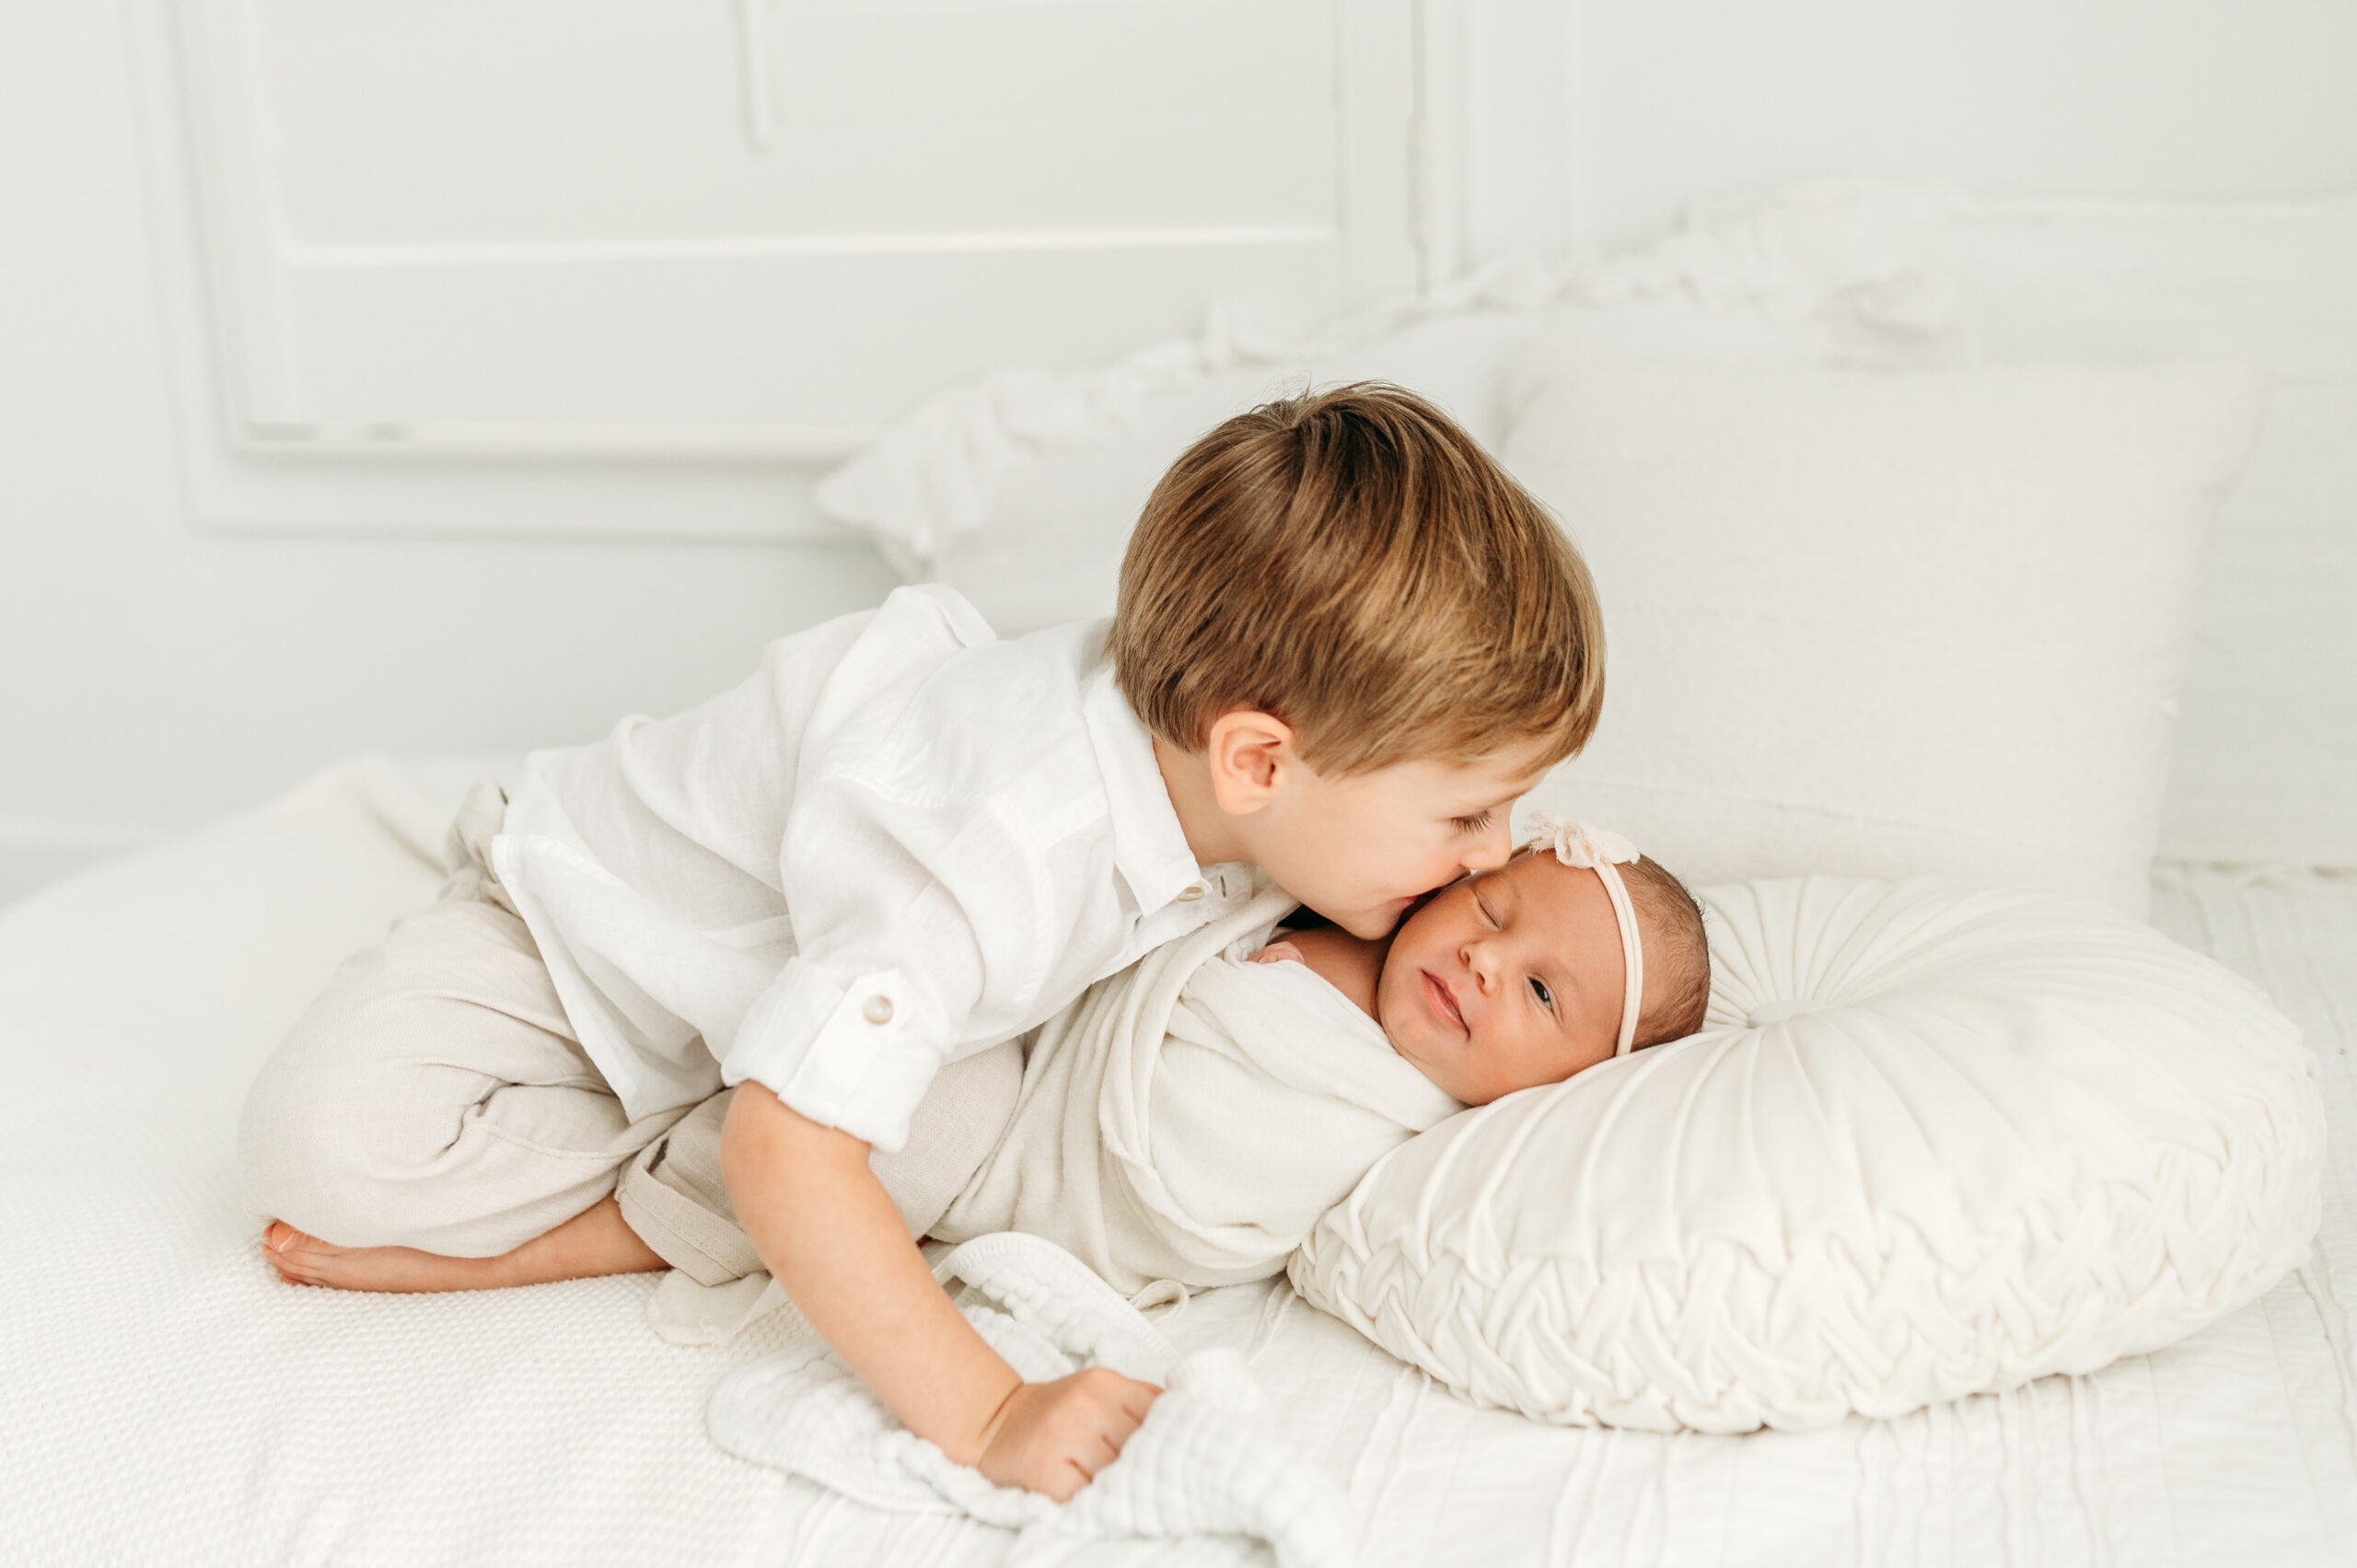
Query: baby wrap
point(1189, 1118)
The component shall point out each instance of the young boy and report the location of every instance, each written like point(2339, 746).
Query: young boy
point(1345, 643)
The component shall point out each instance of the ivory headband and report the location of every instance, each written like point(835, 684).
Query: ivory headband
point(1604, 852)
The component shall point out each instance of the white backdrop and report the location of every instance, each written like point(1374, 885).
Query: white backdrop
point(2160, 99)
point(156, 668)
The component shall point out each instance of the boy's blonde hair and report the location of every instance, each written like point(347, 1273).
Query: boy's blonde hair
point(1353, 562)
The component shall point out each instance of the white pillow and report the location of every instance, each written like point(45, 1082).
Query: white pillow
point(1932, 1142)
point(2265, 764)
point(1881, 624)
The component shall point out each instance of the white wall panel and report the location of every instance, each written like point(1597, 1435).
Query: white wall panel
point(791, 352)
point(534, 121)
point(2171, 100)
point(1518, 108)
point(766, 227)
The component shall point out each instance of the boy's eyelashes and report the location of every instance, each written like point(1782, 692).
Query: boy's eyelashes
point(1476, 823)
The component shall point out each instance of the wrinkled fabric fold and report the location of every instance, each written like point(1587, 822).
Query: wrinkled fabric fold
point(1189, 1118)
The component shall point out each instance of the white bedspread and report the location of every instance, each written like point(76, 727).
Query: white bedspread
point(168, 1400)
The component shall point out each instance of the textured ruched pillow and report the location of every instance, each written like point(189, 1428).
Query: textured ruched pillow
point(1932, 1142)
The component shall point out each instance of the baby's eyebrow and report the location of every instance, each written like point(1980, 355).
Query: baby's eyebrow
point(1561, 971)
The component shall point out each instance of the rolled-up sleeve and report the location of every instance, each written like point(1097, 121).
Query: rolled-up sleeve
point(850, 1052)
point(889, 972)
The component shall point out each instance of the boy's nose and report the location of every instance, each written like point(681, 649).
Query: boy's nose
point(1492, 850)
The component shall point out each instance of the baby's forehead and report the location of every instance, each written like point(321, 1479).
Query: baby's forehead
point(1538, 873)
point(1540, 860)
point(1655, 916)
point(1572, 887)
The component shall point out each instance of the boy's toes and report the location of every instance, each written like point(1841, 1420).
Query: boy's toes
point(294, 1254)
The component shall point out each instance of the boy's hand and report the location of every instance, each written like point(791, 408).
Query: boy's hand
point(1054, 1437)
point(823, 1224)
point(1279, 952)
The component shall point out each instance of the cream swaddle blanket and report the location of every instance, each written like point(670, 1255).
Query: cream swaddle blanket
point(1189, 1118)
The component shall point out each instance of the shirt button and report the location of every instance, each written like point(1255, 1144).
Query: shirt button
point(877, 1009)
point(1189, 894)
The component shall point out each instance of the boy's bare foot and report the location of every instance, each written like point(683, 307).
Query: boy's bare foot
point(307, 1261)
point(593, 1242)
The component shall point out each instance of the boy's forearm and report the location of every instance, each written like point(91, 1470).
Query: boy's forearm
point(832, 1238)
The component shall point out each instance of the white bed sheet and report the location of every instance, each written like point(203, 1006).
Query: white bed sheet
point(168, 1400)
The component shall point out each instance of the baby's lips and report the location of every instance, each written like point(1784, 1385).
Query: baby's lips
point(1444, 1001)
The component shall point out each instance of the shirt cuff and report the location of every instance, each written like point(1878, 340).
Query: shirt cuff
point(854, 1057)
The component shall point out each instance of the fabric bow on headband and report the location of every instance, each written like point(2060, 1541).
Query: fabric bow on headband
point(1582, 845)
point(1604, 852)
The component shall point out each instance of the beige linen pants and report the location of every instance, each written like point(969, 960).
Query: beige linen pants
point(435, 1096)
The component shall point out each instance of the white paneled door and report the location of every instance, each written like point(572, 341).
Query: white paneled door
point(759, 228)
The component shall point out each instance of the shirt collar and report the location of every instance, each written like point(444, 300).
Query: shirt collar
point(1149, 847)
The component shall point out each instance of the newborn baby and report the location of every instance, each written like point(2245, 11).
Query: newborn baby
point(1189, 1118)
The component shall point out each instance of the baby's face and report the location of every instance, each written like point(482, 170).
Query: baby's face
point(1505, 980)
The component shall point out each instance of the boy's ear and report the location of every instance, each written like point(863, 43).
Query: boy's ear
point(1248, 753)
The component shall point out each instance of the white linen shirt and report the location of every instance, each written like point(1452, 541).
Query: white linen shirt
point(900, 842)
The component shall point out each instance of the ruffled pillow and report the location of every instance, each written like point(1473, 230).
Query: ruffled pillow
point(1932, 1142)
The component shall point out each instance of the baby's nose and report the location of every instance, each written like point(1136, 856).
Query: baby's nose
point(1481, 963)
